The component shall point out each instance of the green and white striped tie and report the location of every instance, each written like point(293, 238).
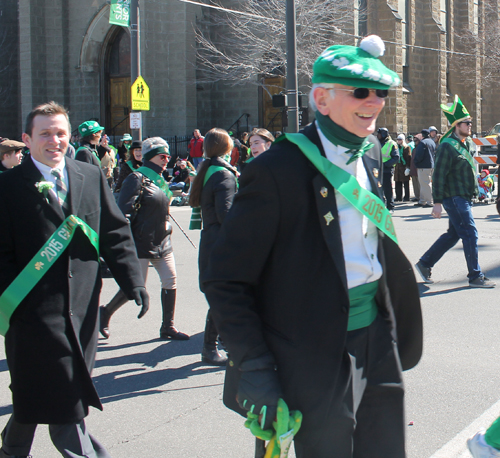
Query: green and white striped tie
point(62, 190)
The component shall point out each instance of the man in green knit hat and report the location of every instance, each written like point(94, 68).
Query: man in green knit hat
point(310, 306)
point(454, 185)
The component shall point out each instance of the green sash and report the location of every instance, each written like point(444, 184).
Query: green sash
point(40, 264)
point(93, 152)
point(459, 147)
point(131, 165)
point(211, 170)
point(363, 308)
point(366, 202)
point(157, 179)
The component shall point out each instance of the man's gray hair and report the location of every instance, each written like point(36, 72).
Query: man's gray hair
point(152, 143)
point(329, 86)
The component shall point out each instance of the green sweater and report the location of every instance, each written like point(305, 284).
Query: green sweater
point(453, 175)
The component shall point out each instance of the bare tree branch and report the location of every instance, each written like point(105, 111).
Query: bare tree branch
point(242, 49)
point(485, 43)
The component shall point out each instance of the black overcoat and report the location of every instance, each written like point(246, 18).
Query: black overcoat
point(216, 199)
point(276, 281)
point(150, 225)
point(52, 340)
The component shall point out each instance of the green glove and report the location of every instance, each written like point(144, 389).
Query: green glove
point(285, 427)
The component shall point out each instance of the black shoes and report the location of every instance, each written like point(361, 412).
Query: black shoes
point(172, 333)
point(482, 282)
point(104, 322)
point(4, 455)
point(425, 272)
point(213, 357)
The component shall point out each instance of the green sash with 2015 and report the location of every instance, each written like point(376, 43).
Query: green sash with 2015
point(367, 203)
point(40, 264)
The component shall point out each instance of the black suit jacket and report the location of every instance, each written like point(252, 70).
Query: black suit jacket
point(52, 339)
point(276, 280)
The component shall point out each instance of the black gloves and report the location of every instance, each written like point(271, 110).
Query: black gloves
point(259, 388)
point(141, 298)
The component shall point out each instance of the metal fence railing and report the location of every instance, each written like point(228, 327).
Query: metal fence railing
point(178, 145)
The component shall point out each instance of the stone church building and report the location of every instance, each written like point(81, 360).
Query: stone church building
point(66, 50)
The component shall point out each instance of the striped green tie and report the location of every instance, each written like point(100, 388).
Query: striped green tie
point(62, 190)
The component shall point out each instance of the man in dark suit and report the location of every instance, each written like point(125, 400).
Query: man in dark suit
point(51, 337)
point(310, 292)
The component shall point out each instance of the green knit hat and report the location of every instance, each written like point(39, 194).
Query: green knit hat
point(355, 66)
point(155, 151)
point(88, 128)
point(455, 113)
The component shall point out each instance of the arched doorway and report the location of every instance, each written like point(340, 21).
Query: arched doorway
point(117, 82)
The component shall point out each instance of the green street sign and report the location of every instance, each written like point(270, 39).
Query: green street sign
point(119, 13)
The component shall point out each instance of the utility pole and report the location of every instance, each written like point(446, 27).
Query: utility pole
point(291, 68)
point(135, 52)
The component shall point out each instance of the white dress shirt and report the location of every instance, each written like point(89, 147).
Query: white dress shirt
point(359, 234)
point(45, 171)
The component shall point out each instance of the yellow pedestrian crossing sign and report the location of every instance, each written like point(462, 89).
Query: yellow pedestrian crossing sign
point(140, 95)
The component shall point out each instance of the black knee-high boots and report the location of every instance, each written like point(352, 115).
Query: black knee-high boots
point(210, 353)
point(168, 330)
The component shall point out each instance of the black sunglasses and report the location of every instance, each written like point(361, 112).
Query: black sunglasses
point(364, 92)
point(469, 123)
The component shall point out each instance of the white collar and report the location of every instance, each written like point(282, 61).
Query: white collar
point(45, 169)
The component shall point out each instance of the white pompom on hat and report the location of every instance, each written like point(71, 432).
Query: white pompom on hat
point(373, 45)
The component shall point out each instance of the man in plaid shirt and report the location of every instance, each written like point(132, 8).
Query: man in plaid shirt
point(454, 186)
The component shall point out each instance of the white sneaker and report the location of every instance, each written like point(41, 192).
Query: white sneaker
point(480, 449)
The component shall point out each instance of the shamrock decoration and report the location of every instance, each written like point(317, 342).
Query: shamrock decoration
point(44, 187)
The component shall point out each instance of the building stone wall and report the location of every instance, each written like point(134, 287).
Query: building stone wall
point(10, 114)
point(168, 66)
point(425, 68)
point(384, 19)
point(57, 51)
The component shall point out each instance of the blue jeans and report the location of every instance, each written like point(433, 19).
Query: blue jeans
point(461, 226)
point(177, 186)
point(197, 161)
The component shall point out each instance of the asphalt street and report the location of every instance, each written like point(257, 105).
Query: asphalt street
point(161, 401)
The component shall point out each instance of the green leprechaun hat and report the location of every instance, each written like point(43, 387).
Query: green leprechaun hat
point(355, 66)
point(455, 113)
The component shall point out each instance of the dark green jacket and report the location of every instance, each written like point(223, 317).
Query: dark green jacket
point(453, 175)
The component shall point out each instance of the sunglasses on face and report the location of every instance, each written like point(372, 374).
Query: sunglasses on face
point(469, 123)
point(163, 157)
point(363, 92)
